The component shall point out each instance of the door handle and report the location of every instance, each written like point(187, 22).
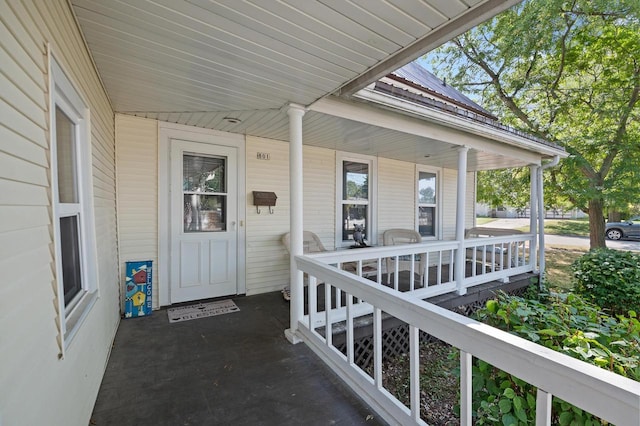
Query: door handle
point(233, 225)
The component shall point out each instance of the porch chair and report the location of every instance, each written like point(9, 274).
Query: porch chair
point(311, 243)
point(398, 236)
point(499, 255)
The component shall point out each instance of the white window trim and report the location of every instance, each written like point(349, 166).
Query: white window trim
point(66, 97)
point(439, 201)
point(372, 232)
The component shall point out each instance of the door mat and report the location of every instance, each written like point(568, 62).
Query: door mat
point(201, 310)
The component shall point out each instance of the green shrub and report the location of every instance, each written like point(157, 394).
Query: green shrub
point(609, 278)
point(567, 324)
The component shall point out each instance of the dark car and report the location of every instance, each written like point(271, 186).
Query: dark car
point(626, 229)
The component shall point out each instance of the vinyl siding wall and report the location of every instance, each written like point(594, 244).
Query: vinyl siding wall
point(137, 166)
point(267, 259)
point(38, 387)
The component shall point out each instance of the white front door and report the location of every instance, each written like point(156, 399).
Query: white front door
point(204, 220)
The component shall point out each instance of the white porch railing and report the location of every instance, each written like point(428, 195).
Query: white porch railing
point(595, 390)
point(490, 259)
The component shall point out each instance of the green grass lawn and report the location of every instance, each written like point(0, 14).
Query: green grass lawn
point(558, 266)
point(569, 227)
point(566, 227)
point(484, 220)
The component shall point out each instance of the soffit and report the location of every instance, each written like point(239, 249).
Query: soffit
point(168, 56)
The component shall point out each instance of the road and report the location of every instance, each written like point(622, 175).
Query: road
point(563, 241)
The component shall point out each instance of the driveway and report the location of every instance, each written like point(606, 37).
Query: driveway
point(564, 241)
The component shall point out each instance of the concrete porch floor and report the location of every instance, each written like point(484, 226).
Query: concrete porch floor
point(236, 368)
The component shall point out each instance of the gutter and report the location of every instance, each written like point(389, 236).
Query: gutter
point(552, 163)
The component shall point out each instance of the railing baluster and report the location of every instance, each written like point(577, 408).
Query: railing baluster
point(377, 347)
point(328, 328)
point(451, 257)
point(439, 278)
point(312, 301)
point(426, 270)
point(396, 272)
point(379, 271)
point(543, 408)
point(412, 275)
point(349, 325)
point(338, 303)
point(466, 406)
point(414, 371)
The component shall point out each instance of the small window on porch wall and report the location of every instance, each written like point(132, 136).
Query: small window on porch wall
point(356, 206)
point(427, 203)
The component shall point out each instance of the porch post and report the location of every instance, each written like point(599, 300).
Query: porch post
point(459, 268)
point(541, 215)
point(295, 113)
point(533, 213)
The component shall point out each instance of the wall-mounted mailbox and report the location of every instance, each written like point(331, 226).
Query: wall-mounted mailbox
point(263, 198)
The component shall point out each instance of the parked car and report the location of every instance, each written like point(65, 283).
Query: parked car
point(626, 229)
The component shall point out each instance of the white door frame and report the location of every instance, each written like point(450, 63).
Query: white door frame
point(166, 132)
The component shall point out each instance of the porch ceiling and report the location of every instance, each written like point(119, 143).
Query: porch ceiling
point(190, 56)
point(234, 65)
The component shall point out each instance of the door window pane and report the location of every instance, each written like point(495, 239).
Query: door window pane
point(65, 153)
point(427, 188)
point(353, 214)
point(426, 221)
point(203, 174)
point(204, 213)
point(70, 248)
point(355, 180)
point(203, 177)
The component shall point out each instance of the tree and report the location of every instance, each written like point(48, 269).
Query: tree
point(569, 72)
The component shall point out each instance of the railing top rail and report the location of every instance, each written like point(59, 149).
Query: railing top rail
point(349, 255)
point(601, 392)
point(470, 242)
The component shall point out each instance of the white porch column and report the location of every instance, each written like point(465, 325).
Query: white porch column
point(541, 214)
point(533, 209)
point(461, 208)
point(295, 113)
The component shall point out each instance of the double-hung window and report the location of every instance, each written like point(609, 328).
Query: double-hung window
point(356, 196)
point(427, 198)
point(73, 224)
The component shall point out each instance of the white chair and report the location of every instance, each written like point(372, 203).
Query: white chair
point(394, 237)
point(311, 243)
point(498, 255)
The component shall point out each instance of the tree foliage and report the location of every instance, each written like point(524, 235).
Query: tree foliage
point(569, 72)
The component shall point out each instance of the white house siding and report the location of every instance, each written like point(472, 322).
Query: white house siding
point(37, 386)
point(319, 193)
point(449, 201)
point(396, 195)
point(267, 259)
point(137, 166)
point(267, 265)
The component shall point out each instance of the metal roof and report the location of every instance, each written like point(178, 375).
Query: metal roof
point(416, 74)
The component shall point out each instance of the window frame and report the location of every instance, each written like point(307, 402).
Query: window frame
point(437, 227)
point(67, 99)
point(372, 162)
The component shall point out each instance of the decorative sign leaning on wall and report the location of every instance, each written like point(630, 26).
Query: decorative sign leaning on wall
point(137, 287)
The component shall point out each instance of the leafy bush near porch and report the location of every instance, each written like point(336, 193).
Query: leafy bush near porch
point(609, 278)
point(567, 324)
